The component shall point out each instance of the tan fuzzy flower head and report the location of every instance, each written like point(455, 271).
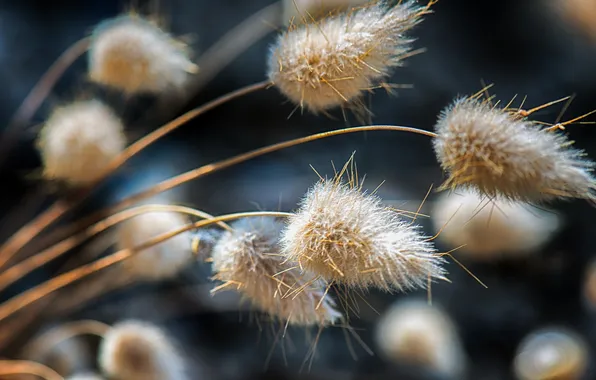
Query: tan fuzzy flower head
point(249, 259)
point(412, 331)
point(306, 11)
point(162, 260)
point(78, 141)
point(499, 153)
point(333, 62)
point(551, 353)
point(136, 350)
point(135, 56)
point(349, 237)
point(492, 228)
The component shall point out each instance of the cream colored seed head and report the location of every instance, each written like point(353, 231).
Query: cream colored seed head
point(297, 12)
point(85, 376)
point(333, 62)
point(551, 354)
point(491, 228)
point(249, 259)
point(78, 141)
point(500, 154)
point(414, 332)
point(136, 350)
point(162, 260)
point(135, 56)
point(347, 236)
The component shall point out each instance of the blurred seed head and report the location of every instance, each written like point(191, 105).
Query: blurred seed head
point(335, 61)
point(136, 350)
point(500, 154)
point(551, 353)
point(296, 12)
point(348, 236)
point(590, 286)
point(85, 376)
point(579, 15)
point(412, 331)
point(491, 228)
point(135, 56)
point(162, 260)
point(78, 141)
point(249, 259)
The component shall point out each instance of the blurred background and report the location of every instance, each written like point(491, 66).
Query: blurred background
point(542, 49)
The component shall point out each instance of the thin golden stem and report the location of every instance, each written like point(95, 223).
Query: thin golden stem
point(21, 269)
point(234, 42)
point(39, 93)
point(25, 367)
point(65, 331)
point(211, 168)
point(26, 298)
point(32, 229)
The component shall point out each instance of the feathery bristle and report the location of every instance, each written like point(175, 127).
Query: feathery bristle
point(502, 155)
point(135, 56)
point(415, 332)
point(160, 261)
point(349, 237)
point(249, 259)
point(551, 353)
point(79, 140)
point(333, 62)
point(488, 228)
point(136, 350)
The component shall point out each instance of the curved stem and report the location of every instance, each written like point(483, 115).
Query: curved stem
point(26, 298)
point(40, 92)
point(25, 367)
point(32, 229)
point(64, 332)
point(211, 168)
point(25, 267)
point(234, 42)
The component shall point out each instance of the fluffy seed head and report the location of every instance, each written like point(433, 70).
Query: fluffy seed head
point(249, 258)
point(415, 332)
point(501, 154)
point(136, 350)
point(551, 353)
point(135, 56)
point(333, 62)
point(78, 141)
point(160, 261)
point(85, 376)
point(349, 237)
point(490, 228)
point(305, 11)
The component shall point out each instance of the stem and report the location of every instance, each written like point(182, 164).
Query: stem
point(25, 367)
point(39, 93)
point(25, 267)
point(64, 332)
point(211, 168)
point(26, 298)
point(234, 42)
point(32, 229)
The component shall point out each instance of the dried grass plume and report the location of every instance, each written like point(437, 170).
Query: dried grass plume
point(348, 236)
point(335, 61)
point(162, 260)
point(412, 331)
point(78, 141)
point(135, 350)
point(491, 228)
point(135, 56)
point(501, 154)
point(551, 353)
point(249, 259)
point(297, 12)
